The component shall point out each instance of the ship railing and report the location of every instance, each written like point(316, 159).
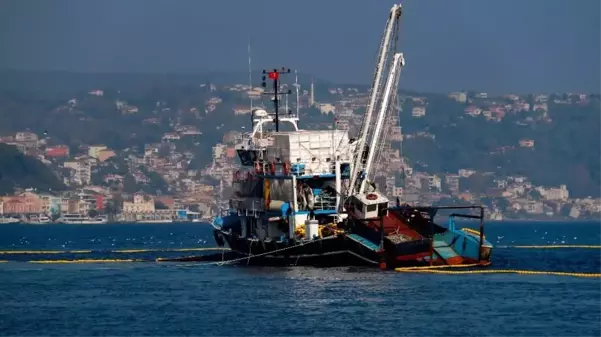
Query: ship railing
point(248, 206)
point(323, 202)
point(277, 167)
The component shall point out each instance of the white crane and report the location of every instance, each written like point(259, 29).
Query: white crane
point(368, 132)
point(369, 205)
point(390, 92)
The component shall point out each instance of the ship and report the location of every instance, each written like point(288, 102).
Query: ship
point(308, 197)
point(9, 220)
point(40, 219)
point(81, 219)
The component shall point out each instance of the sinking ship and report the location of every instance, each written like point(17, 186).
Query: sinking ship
point(307, 197)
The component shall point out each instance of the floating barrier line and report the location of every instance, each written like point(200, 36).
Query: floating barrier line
point(554, 246)
point(11, 252)
point(86, 261)
point(504, 271)
point(484, 264)
point(437, 270)
point(165, 250)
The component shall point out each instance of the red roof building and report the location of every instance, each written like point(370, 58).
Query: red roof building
point(231, 152)
point(57, 151)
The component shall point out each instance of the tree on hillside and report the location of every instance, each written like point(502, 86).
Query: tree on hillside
point(159, 205)
point(535, 194)
point(18, 170)
point(129, 184)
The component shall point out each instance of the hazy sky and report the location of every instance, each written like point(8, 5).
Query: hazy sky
point(488, 45)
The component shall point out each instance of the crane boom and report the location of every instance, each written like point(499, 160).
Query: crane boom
point(366, 127)
point(390, 90)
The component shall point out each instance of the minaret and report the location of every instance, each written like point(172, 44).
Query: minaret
point(312, 97)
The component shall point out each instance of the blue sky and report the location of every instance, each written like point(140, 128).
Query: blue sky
point(488, 45)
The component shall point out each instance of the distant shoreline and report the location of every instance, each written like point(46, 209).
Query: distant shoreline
point(596, 221)
point(109, 223)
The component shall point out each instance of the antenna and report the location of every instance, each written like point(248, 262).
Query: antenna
point(287, 111)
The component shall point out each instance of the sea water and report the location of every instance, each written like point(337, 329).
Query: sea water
point(169, 299)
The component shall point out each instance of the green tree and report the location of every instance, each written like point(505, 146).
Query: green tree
point(535, 194)
point(18, 170)
point(502, 203)
point(159, 205)
point(164, 151)
point(129, 184)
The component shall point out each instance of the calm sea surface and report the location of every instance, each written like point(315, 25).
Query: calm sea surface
point(170, 299)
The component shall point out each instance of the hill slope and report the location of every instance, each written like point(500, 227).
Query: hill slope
point(18, 170)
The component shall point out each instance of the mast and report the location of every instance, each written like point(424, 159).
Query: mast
point(275, 76)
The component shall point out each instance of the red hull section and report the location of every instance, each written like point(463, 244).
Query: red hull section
point(395, 225)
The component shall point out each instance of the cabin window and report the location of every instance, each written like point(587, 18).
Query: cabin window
point(371, 208)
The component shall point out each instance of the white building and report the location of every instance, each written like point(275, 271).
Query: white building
point(452, 181)
point(81, 172)
point(460, 97)
point(560, 193)
point(326, 108)
point(418, 111)
point(434, 182)
point(466, 173)
point(94, 150)
point(26, 137)
point(140, 204)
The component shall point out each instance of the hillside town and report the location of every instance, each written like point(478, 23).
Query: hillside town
point(160, 183)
